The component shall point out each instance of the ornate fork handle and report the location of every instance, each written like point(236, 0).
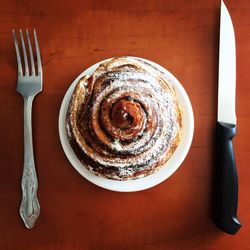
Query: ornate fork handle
point(30, 208)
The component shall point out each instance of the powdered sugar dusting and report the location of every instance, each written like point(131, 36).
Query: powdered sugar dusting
point(147, 146)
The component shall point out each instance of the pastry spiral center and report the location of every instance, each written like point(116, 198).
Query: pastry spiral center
point(126, 114)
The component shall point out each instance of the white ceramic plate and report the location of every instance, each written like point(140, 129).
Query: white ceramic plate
point(146, 182)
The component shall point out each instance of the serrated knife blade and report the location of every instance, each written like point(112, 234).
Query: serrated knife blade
point(227, 69)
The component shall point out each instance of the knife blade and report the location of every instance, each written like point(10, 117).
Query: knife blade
point(226, 191)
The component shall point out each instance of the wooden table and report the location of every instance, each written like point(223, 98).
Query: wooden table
point(182, 36)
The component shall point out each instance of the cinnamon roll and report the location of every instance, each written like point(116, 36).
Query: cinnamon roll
point(124, 121)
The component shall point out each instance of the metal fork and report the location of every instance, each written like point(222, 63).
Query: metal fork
point(29, 83)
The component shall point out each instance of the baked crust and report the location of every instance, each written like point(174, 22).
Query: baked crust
point(124, 121)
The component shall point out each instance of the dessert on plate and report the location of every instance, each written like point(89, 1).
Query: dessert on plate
point(124, 121)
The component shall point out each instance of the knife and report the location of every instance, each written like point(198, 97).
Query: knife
point(226, 189)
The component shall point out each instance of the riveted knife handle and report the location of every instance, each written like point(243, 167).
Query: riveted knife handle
point(226, 189)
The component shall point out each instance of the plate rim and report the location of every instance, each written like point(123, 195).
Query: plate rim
point(141, 183)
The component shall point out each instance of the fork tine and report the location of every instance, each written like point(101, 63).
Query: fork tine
point(19, 62)
point(26, 67)
point(31, 54)
point(39, 62)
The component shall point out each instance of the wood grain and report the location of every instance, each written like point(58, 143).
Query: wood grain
point(180, 35)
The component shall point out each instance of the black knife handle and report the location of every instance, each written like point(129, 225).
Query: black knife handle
point(226, 189)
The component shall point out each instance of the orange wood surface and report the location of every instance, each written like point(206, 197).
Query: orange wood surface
point(180, 35)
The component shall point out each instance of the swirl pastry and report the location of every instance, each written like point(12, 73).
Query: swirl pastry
point(124, 121)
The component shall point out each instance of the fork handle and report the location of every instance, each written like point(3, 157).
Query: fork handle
point(30, 208)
